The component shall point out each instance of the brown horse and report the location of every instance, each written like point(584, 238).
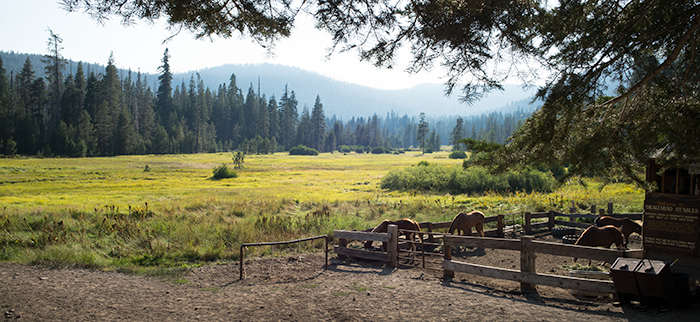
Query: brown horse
point(464, 223)
point(406, 224)
point(626, 225)
point(600, 236)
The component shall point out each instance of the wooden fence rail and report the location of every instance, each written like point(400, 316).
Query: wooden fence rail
point(244, 246)
point(390, 237)
point(528, 248)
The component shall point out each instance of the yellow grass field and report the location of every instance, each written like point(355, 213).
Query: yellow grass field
point(167, 211)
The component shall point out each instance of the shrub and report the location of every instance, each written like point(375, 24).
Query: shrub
point(302, 150)
point(344, 149)
point(223, 172)
point(472, 180)
point(458, 155)
point(379, 150)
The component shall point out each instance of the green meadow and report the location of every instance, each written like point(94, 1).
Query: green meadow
point(164, 212)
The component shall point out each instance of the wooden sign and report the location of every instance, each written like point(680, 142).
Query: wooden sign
point(671, 224)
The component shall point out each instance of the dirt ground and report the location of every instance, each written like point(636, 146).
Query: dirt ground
point(298, 288)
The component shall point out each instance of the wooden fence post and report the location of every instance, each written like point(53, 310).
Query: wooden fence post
point(342, 242)
point(393, 246)
point(550, 224)
point(526, 225)
point(447, 256)
point(242, 274)
point(572, 211)
point(499, 227)
point(593, 209)
point(431, 239)
point(527, 261)
point(610, 208)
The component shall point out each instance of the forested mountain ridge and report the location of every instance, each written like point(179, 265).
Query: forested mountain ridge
point(75, 109)
point(342, 99)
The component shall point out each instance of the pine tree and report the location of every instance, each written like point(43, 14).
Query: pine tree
point(318, 125)
point(457, 134)
point(164, 102)
point(274, 118)
point(7, 120)
point(288, 118)
point(55, 64)
point(422, 133)
point(303, 135)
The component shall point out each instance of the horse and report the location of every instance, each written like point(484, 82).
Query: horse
point(626, 225)
point(600, 236)
point(464, 223)
point(406, 224)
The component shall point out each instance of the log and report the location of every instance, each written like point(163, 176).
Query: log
point(572, 224)
point(576, 283)
point(360, 235)
point(482, 242)
point(604, 254)
point(360, 253)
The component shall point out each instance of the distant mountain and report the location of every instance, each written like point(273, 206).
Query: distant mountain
point(346, 100)
point(342, 99)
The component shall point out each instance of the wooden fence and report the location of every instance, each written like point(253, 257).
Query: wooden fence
point(391, 238)
point(528, 248)
point(244, 246)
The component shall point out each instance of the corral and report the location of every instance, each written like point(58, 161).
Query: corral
point(429, 251)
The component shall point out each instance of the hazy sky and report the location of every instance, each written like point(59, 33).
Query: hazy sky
point(24, 25)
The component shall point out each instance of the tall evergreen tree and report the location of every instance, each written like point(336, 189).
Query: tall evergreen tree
point(422, 133)
point(457, 134)
point(288, 118)
point(164, 99)
point(7, 120)
point(318, 125)
point(274, 118)
point(55, 64)
point(303, 135)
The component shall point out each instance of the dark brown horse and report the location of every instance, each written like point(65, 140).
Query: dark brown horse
point(600, 236)
point(406, 224)
point(464, 222)
point(626, 225)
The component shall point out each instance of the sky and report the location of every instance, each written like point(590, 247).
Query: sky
point(25, 24)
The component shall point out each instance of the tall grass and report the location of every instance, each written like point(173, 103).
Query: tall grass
point(109, 213)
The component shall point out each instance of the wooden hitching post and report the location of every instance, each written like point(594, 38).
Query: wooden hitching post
point(393, 246)
point(572, 210)
point(342, 242)
point(550, 224)
point(447, 256)
point(499, 226)
point(527, 261)
point(526, 224)
point(242, 274)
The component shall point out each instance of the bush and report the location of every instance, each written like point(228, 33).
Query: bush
point(458, 155)
point(223, 172)
point(302, 150)
point(380, 150)
point(344, 149)
point(472, 180)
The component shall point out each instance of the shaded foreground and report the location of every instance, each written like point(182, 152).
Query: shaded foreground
point(296, 288)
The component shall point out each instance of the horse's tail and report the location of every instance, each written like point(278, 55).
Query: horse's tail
point(453, 225)
point(617, 238)
point(480, 228)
